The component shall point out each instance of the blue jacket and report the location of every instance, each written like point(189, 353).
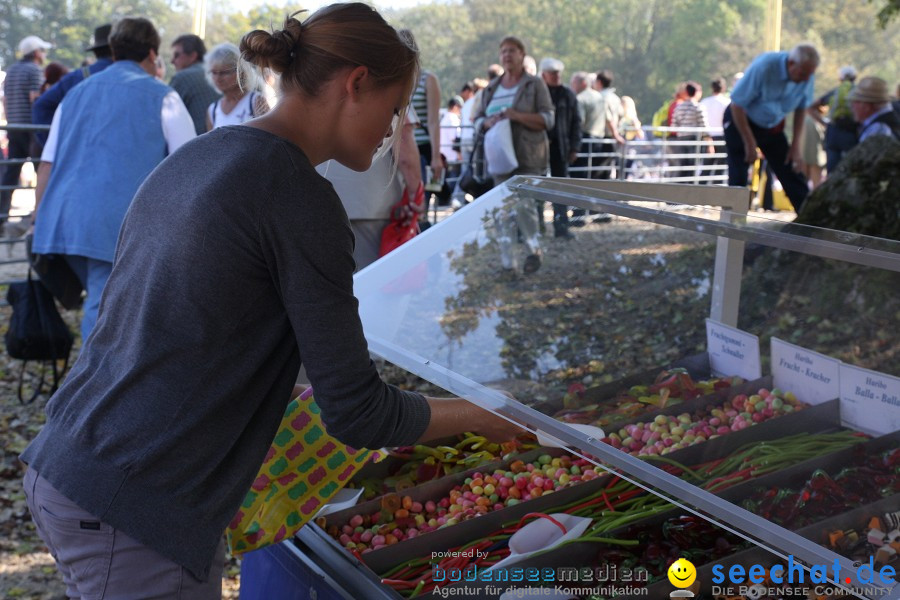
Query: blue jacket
point(44, 107)
point(110, 139)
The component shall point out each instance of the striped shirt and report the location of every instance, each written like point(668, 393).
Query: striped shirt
point(689, 114)
point(420, 105)
point(22, 78)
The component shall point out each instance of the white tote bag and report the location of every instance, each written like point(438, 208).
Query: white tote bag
point(498, 149)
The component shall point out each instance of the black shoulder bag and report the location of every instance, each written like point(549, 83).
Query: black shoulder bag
point(56, 275)
point(36, 332)
point(475, 179)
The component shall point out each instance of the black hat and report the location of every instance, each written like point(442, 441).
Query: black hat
point(101, 37)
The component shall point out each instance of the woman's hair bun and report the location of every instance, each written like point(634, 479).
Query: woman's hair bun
point(343, 35)
point(273, 50)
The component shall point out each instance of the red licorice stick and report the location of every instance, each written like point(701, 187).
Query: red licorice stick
point(452, 562)
point(404, 573)
point(400, 583)
point(730, 479)
point(590, 502)
point(422, 572)
point(629, 495)
point(608, 505)
point(709, 466)
point(544, 516)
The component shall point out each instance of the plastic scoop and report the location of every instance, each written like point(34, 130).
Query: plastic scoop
point(542, 534)
point(344, 498)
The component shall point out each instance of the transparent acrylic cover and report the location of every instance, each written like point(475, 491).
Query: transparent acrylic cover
point(619, 328)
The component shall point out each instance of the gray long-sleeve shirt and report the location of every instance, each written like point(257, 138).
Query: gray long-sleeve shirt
point(234, 263)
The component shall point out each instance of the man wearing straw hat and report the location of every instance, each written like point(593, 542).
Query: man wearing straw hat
point(871, 105)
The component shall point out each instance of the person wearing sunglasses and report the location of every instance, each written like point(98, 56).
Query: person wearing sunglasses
point(240, 85)
point(190, 81)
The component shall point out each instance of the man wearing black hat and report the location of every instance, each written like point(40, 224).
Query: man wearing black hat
point(44, 107)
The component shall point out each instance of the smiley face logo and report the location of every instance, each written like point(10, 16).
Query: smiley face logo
point(682, 573)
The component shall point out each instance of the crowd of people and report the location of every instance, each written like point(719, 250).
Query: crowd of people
point(776, 87)
point(217, 259)
point(218, 89)
point(207, 86)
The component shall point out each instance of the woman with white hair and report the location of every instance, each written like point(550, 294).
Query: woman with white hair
point(240, 85)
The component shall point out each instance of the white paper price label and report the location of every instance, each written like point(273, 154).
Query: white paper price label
point(870, 401)
point(814, 378)
point(732, 351)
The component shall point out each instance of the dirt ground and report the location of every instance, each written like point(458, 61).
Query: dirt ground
point(26, 569)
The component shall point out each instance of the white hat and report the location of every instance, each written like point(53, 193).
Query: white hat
point(32, 43)
point(847, 72)
point(552, 64)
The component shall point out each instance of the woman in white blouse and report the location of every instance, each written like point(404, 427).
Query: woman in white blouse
point(241, 87)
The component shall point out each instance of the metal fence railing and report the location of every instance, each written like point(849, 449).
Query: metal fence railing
point(671, 154)
point(12, 247)
point(657, 154)
point(693, 155)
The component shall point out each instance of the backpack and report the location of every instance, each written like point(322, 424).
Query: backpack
point(661, 118)
point(36, 331)
point(839, 108)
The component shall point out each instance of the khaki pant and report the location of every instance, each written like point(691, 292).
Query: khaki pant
point(97, 561)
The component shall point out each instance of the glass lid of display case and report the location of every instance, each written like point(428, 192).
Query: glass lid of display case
point(620, 296)
point(672, 322)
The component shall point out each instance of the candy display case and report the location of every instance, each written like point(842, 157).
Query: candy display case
point(703, 342)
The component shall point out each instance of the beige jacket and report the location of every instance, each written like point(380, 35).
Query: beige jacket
point(532, 147)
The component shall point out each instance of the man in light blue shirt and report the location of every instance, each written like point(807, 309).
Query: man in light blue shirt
point(775, 84)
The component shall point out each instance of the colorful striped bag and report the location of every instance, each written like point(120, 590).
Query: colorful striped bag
point(303, 470)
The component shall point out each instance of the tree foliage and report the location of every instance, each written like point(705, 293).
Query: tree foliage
point(888, 12)
point(68, 24)
point(650, 45)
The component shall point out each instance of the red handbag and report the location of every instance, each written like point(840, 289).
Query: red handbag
point(404, 224)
